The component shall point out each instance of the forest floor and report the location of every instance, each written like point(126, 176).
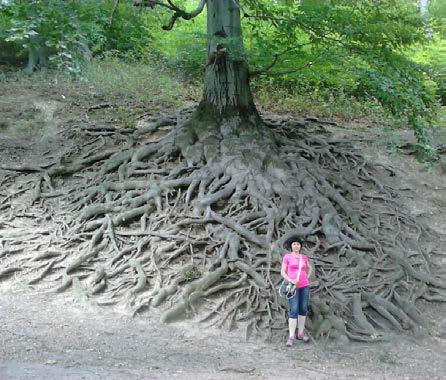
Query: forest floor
point(44, 335)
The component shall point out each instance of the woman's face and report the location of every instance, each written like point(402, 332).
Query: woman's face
point(295, 246)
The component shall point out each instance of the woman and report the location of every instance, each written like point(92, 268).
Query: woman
point(296, 268)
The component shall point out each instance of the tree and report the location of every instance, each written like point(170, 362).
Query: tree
point(203, 212)
point(370, 39)
point(227, 94)
point(33, 27)
point(424, 7)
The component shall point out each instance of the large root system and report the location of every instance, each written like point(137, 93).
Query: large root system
point(197, 226)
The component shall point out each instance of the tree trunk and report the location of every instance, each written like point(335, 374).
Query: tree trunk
point(424, 7)
point(37, 55)
point(227, 94)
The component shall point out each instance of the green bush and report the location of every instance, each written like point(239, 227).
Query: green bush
point(182, 49)
point(66, 32)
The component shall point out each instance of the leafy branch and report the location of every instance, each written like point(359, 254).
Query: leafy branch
point(178, 12)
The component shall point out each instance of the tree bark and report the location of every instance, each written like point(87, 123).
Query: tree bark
point(424, 7)
point(227, 94)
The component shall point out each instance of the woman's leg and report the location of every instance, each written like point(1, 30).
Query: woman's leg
point(293, 303)
point(304, 295)
point(301, 324)
point(292, 324)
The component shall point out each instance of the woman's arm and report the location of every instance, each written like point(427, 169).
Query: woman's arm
point(284, 271)
point(310, 269)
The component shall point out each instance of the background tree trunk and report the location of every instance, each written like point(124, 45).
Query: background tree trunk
point(424, 7)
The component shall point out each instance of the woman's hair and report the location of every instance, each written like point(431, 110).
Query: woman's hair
point(291, 241)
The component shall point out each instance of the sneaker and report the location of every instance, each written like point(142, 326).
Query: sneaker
point(290, 342)
point(303, 338)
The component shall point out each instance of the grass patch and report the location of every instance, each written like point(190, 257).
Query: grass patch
point(193, 274)
point(135, 81)
point(135, 87)
point(320, 104)
point(30, 120)
point(109, 78)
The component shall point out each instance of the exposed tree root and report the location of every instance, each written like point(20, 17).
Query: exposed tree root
point(196, 225)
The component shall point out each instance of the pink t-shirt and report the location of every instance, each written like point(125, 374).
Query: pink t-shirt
point(292, 264)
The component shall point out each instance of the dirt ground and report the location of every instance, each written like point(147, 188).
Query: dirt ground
point(47, 336)
point(44, 335)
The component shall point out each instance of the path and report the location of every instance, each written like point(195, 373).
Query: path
point(57, 337)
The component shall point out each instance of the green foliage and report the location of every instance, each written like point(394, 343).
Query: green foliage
point(8, 50)
point(5, 21)
point(182, 49)
point(71, 30)
point(50, 25)
point(357, 48)
point(130, 31)
point(434, 54)
point(438, 14)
